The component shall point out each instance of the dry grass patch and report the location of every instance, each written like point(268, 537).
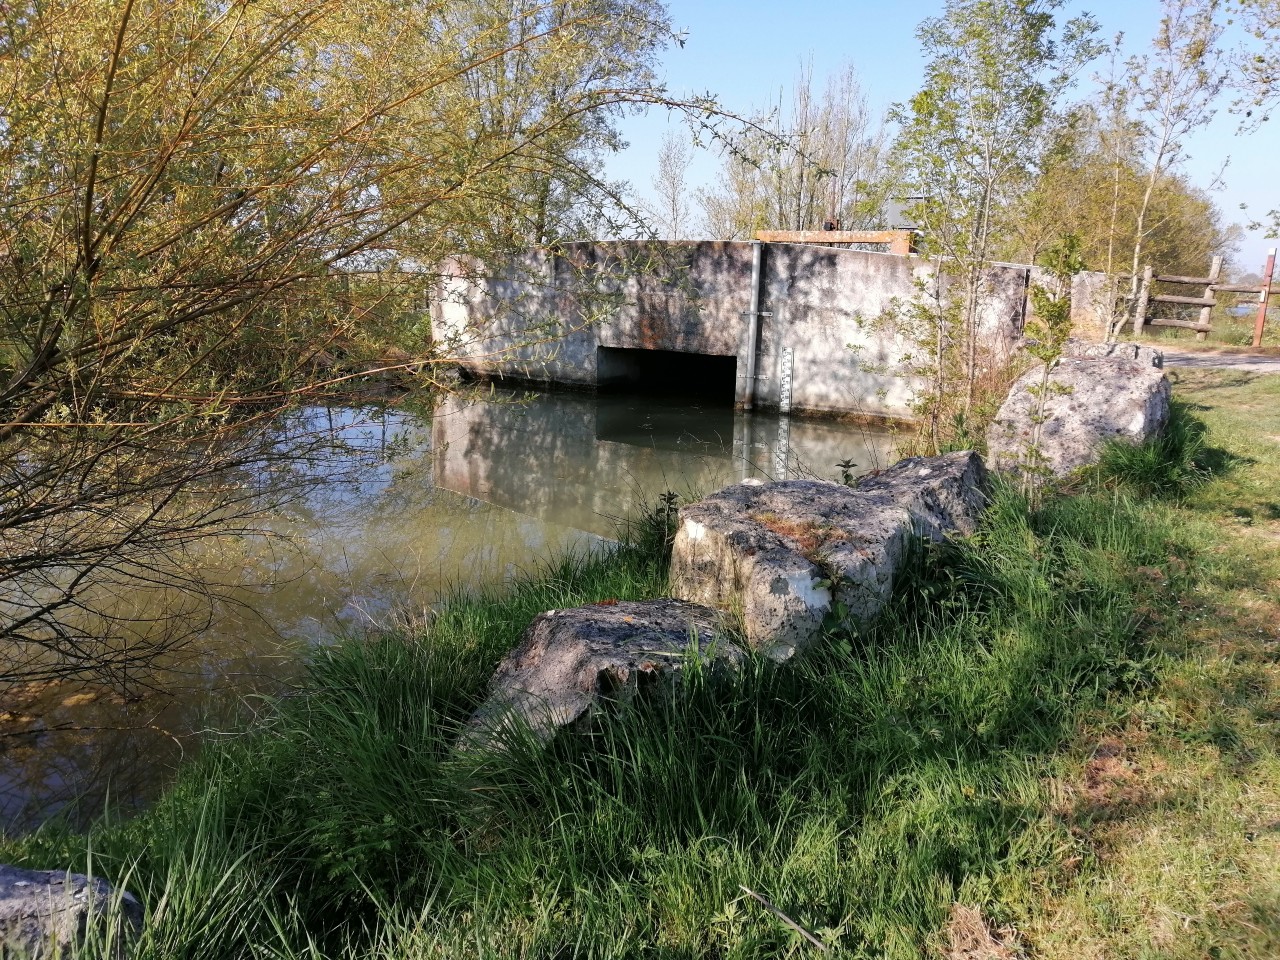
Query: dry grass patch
point(970, 937)
point(808, 536)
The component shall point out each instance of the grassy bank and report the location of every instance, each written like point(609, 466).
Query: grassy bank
point(1060, 741)
point(1229, 330)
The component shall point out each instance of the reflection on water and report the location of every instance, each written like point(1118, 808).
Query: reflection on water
point(402, 510)
point(582, 461)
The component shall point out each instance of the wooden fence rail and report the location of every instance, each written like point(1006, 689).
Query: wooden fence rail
point(1144, 308)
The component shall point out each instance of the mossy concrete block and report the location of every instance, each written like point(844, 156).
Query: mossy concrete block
point(1121, 393)
point(47, 913)
point(570, 660)
point(781, 556)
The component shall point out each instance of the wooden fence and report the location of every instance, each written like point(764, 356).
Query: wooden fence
point(1148, 302)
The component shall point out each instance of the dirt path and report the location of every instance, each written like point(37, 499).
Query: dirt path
point(1221, 360)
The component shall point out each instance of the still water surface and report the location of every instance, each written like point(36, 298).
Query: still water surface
point(476, 492)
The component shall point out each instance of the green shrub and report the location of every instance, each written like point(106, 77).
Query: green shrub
point(1170, 464)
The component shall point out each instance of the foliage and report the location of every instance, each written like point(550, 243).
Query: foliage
point(969, 143)
point(1173, 91)
point(1257, 79)
point(1092, 184)
point(862, 790)
point(672, 210)
point(1050, 324)
point(214, 209)
point(1171, 464)
point(1047, 331)
point(1060, 727)
point(1054, 731)
point(932, 359)
point(1256, 61)
point(821, 160)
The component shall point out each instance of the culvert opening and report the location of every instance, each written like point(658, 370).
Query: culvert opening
point(667, 373)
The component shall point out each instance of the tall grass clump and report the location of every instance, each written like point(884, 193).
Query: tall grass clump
point(1171, 464)
point(862, 790)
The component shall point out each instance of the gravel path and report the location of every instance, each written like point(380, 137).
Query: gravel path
point(1246, 362)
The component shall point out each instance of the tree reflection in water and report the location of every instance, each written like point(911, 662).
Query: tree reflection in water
point(395, 511)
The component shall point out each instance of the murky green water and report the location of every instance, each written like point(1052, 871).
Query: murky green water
point(475, 493)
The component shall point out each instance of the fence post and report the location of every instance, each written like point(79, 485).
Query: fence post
point(1263, 297)
point(1140, 308)
point(1206, 313)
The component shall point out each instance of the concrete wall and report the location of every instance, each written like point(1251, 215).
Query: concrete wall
point(1093, 304)
point(541, 317)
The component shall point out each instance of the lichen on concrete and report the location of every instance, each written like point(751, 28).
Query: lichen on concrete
point(782, 557)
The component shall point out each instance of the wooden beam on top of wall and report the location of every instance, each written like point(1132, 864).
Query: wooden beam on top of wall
point(899, 241)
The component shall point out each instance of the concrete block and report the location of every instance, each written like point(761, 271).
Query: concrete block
point(1106, 392)
point(47, 913)
point(779, 557)
point(568, 660)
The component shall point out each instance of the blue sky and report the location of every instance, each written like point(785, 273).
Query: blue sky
point(746, 51)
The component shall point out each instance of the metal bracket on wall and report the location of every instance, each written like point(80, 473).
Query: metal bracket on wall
point(752, 375)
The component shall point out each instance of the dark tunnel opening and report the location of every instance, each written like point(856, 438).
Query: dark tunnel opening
point(667, 373)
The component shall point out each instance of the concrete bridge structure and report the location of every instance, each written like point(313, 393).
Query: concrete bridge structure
point(792, 327)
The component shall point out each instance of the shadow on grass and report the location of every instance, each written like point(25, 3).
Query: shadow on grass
point(887, 775)
point(1170, 465)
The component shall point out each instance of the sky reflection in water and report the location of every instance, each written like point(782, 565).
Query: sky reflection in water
point(401, 510)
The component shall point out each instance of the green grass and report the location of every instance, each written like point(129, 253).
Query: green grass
point(1228, 331)
point(1173, 464)
point(1175, 793)
point(1059, 740)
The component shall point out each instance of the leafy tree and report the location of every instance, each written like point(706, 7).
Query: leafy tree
point(969, 145)
point(1092, 184)
point(1259, 78)
point(210, 209)
point(1173, 91)
point(1047, 332)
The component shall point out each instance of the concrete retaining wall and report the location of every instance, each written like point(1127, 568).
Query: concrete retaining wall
point(541, 317)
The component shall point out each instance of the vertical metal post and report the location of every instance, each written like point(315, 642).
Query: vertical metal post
point(1263, 297)
point(753, 322)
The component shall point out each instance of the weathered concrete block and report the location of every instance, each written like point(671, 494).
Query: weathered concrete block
point(781, 556)
point(45, 913)
point(691, 297)
point(1119, 393)
point(1114, 350)
point(569, 659)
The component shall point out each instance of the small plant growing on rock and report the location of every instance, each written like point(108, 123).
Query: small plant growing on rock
point(1046, 335)
point(846, 472)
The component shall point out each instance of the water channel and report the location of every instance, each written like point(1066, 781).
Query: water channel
point(477, 491)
